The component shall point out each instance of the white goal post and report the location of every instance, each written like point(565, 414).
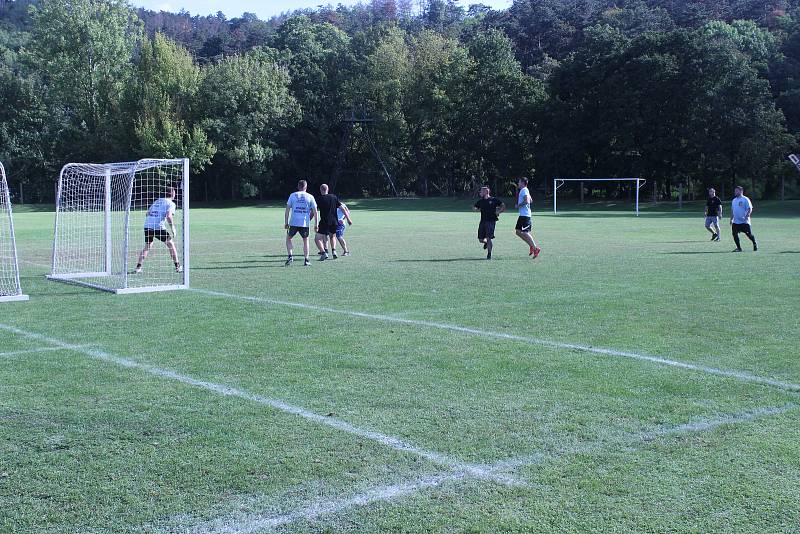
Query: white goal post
point(559, 182)
point(10, 287)
point(100, 235)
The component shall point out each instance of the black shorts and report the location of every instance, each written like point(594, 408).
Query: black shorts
point(327, 227)
point(744, 228)
point(302, 230)
point(161, 235)
point(486, 230)
point(524, 224)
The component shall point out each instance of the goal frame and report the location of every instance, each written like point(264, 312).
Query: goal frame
point(559, 183)
point(135, 166)
point(5, 191)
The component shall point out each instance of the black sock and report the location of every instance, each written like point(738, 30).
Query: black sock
point(736, 240)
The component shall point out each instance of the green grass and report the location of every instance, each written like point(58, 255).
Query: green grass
point(90, 446)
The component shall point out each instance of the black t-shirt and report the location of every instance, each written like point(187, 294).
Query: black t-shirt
point(327, 205)
point(489, 207)
point(712, 206)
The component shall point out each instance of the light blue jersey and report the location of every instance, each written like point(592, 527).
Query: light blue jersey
point(739, 209)
point(158, 213)
point(300, 204)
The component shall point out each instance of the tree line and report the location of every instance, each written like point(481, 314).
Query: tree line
point(684, 94)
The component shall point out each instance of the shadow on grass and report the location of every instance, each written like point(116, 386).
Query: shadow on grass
point(444, 260)
point(694, 252)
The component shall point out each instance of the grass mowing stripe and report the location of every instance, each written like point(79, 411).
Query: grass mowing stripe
point(29, 351)
point(737, 375)
point(221, 389)
point(251, 523)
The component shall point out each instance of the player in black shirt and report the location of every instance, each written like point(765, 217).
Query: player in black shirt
point(713, 213)
point(327, 205)
point(490, 208)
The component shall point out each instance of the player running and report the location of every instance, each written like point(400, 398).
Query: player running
point(301, 208)
point(160, 212)
point(328, 222)
point(490, 208)
point(342, 215)
point(713, 213)
point(741, 209)
point(524, 224)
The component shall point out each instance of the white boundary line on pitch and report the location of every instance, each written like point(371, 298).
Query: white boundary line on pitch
point(392, 442)
point(737, 375)
point(257, 522)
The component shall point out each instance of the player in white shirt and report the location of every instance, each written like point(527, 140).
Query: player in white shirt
point(741, 209)
point(301, 209)
point(524, 223)
point(343, 214)
point(160, 212)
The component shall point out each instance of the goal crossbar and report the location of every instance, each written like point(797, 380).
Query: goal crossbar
point(558, 183)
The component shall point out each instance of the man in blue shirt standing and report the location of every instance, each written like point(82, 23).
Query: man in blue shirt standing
point(741, 209)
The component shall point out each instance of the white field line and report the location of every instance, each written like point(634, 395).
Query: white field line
point(392, 442)
point(255, 522)
point(737, 375)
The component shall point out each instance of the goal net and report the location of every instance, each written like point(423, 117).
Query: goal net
point(10, 288)
point(559, 183)
point(110, 217)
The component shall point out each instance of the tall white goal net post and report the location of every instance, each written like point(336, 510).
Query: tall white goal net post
point(111, 217)
point(10, 287)
point(558, 183)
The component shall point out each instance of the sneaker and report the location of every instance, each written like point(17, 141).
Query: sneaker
point(489, 256)
point(137, 270)
point(289, 261)
point(716, 238)
point(736, 250)
point(755, 247)
point(346, 253)
point(713, 237)
point(323, 257)
point(536, 252)
point(531, 252)
point(179, 268)
point(306, 263)
point(335, 255)
point(485, 246)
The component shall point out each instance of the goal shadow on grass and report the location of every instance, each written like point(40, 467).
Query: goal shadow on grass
point(695, 252)
point(443, 260)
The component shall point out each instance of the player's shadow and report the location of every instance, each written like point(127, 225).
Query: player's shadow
point(695, 252)
point(789, 252)
point(441, 260)
point(240, 265)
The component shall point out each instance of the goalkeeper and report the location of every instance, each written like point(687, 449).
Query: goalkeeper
point(160, 213)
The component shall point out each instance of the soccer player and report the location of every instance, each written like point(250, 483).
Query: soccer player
point(741, 209)
point(342, 215)
point(160, 212)
point(301, 208)
point(328, 221)
point(524, 224)
point(490, 208)
point(713, 213)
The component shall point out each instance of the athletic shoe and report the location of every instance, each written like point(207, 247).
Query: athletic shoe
point(536, 252)
point(485, 246)
point(531, 252)
point(713, 237)
point(755, 247)
point(346, 253)
point(489, 256)
point(137, 270)
point(335, 256)
point(716, 238)
point(323, 257)
point(179, 269)
point(736, 250)
point(289, 262)
point(321, 253)
point(306, 263)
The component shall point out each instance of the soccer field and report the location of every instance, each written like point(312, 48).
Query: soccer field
point(635, 377)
